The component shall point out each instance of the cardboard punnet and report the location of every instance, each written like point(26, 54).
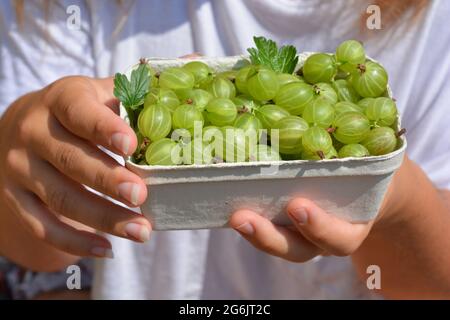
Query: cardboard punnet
point(204, 196)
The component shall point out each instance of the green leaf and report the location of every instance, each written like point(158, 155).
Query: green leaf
point(265, 50)
point(267, 53)
point(132, 92)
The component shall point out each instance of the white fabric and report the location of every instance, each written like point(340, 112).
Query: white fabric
point(219, 263)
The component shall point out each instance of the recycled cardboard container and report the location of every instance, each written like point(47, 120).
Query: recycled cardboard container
point(204, 196)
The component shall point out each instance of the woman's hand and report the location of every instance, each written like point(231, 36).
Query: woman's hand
point(314, 231)
point(49, 151)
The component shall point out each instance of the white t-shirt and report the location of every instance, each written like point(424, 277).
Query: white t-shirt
point(220, 263)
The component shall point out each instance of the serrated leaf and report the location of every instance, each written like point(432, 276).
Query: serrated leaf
point(287, 59)
point(267, 53)
point(132, 92)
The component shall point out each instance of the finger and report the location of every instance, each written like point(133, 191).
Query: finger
point(328, 232)
point(82, 112)
point(275, 240)
point(86, 164)
point(71, 200)
point(45, 226)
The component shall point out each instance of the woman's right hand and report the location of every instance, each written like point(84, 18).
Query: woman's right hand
point(49, 151)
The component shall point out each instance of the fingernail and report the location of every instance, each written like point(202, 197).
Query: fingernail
point(102, 252)
point(121, 142)
point(300, 215)
point(246, 228)
point(130, 192)
point(137, 231)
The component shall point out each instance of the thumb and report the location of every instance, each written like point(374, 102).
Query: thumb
point(334, 235)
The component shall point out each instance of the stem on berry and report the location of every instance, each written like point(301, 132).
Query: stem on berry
point(243, 109)
point(362, 67)
point(400, 132)
point(316, 89)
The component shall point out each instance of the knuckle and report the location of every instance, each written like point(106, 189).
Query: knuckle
point(104, 180)
point(23, 130)
point(66, 158)
point(12, 160)
point(106, 221)
point(100, 179)
point(38, 230)
point(69, 111)
point(99, 128)
point(55, 94)
point(53, 91)
point(63, 82)
point(60, 201)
